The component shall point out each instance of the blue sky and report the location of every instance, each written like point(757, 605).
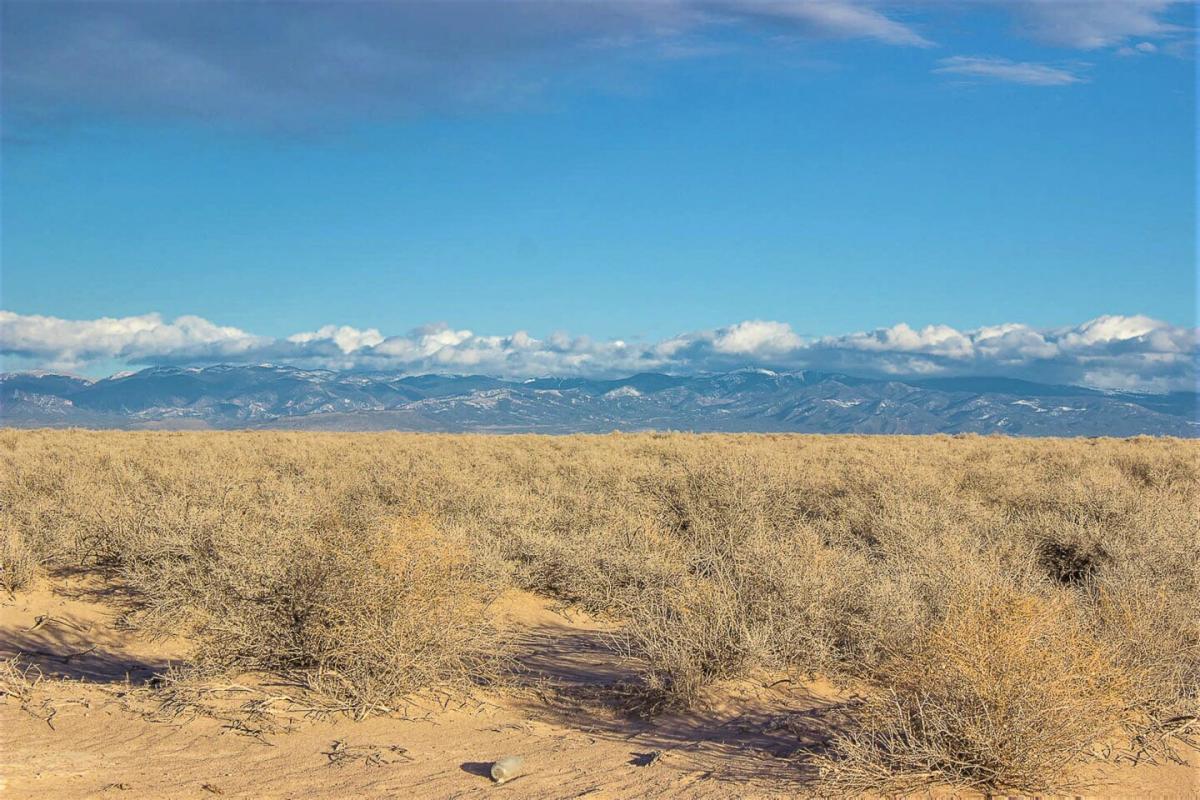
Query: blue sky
point(635, 173)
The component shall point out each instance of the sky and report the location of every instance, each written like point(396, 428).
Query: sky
point(527, 188)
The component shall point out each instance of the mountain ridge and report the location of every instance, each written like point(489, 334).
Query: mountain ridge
point(748, 399)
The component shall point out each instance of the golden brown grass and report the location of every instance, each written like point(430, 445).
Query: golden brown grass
point(18, 565)
point(361, 614)
point(1016, 605)
point(1006, 690)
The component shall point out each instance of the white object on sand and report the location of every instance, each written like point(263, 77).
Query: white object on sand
point(507, 768)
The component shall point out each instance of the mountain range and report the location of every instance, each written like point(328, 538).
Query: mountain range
point(272, 396)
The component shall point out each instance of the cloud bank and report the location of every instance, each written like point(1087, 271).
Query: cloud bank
point(1135, 353)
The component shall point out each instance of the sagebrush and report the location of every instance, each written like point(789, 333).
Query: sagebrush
point(1009, 603)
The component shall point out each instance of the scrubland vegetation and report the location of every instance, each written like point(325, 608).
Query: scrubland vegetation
point(1009, 608)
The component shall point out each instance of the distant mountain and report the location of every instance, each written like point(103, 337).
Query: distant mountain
point(267, 396)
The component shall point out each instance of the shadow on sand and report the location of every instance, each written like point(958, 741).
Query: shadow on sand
point(749, 731)
point(63, 643)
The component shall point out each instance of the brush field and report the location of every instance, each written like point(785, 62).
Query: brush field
point(998, 614)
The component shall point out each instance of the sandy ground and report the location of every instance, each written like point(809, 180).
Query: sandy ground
point(81, 736)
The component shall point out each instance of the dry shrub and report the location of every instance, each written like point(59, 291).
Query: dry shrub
point(364, 616)
point(22, 683)
point(254, 708)
point(1146, 605)
point(18, 563)
point(18, 681)
point(1006, 692)
point(1154, 635)
point(757, 610)
point(754, 586)
point(721, 553)
point(689, 636)
point(589, 557)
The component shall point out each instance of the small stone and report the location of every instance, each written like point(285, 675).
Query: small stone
point(507, 768)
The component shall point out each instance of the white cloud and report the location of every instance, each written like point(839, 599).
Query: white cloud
point(1106, 329)
point(932, 339)
point(1141, 48)
point(61, 343)
point(1111, 351)
point(756, 337)
point(1012, 343)
point(1092, 24)
point(282, 66)
point(287, 65)
point(346, 338)
point(1028, 73)
point(835, 18)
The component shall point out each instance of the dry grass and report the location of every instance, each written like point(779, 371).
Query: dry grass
point(1011, 601)
point(18, 565)
point(1006, 691)
point(20, 684)
point(364, 614)
point(17, 681)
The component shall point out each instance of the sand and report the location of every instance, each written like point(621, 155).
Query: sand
point(84, 735)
